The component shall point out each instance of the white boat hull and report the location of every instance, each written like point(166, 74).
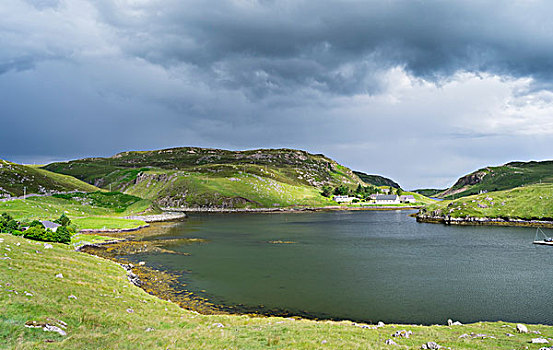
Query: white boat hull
point(543, 242)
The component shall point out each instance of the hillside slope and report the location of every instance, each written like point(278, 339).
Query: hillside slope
point(533, 202)
point(15, 178)
point(376, 180)
point(504, 177)
point(199, 177)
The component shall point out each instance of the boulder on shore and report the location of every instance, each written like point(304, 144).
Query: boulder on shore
point(522, 328)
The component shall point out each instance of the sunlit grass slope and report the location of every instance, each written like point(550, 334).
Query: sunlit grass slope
point(528, 202)
point(102, 310)
point(15, 179)
point(94, 210)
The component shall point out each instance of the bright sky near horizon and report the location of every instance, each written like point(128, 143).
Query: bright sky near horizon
point(419, 91)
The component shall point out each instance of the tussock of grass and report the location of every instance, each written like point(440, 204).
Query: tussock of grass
point(110, 313)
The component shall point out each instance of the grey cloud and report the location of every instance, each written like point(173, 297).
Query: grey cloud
point(305, 43)
point(86, 78)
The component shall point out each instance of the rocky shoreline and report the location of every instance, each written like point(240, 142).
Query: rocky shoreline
point(285, 210)
point(167, 216)
point(112, 230)
point(475, 221)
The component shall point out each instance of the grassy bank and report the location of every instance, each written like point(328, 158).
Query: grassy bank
point(103, 310)
point(95, 210)
point(528, 202)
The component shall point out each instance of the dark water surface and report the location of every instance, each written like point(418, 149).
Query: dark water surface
point(364, 266)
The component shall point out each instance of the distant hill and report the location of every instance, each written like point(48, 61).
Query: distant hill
point(376, 180)
point(14, 178)
point(504, 177)
point(429, 192)
point(201, 177)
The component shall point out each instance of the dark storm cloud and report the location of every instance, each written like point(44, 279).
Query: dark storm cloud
point(370, 83)
point(307, 43)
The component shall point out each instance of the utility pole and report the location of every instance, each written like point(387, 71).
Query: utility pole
point(24, 192)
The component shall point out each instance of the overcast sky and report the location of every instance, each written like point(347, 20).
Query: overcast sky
point(418, 91)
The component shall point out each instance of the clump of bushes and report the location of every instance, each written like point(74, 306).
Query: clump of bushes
point(36, 230)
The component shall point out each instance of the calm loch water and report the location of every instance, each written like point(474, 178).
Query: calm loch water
point(364, 266)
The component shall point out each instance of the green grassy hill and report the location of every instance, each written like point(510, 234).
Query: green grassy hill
point(527, 202)
point(376, 180)
point(499, 178)
point(14, 178)
point(199, 177)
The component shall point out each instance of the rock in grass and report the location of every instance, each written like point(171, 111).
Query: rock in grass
point(71, 297)
point(522, 328)
point(59, 275)
point(45, 327)
point(48, 246)
point(431, 345)
point(380, 324)
point(402, 334)
point(50, 328)
point(539, 341)
point(390, 342)
point(451, 323)
point(130, 311)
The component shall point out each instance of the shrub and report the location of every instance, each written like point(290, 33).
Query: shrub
point(12, 225)
point(17, 233)
point(62, 235)
point(341, 190)
point(34, 232)
point(36, 223)
point(37, 233)
point(63, 220)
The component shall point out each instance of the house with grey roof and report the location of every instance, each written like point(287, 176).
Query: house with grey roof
point(49, 224)
point(386, 199)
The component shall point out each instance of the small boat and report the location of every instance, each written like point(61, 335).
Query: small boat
point(543, 241)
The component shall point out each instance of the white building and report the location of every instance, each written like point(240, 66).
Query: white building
point(407, 198)
point(49, 224)
point(387, 199)
point(343, 199)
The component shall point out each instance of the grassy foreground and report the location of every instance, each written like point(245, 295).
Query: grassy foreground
point(103, 310)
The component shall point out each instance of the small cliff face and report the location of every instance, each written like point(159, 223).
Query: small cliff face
point(465, 182)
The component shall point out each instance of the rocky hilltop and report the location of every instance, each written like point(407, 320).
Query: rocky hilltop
point(202, 177)
point(498, 178)
point(376, 180)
